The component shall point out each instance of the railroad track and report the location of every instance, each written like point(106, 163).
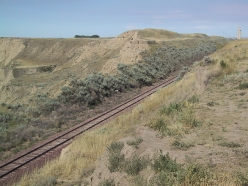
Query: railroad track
point(13, 168)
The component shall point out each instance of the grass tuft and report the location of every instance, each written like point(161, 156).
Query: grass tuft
point(230, 144)
point(182, 145)
point(223, 64)
point(197, 174)
point(116, 159)
point(193, 99)
point(135, 142)
point(45, 181)
point(164, 163)
point(135, 164)
point(175, 119)
point(172, 108)
point(212, 103)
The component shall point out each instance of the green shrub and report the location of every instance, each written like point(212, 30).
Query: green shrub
point(41, 97)
point(2, 149)
point(33, 112)
point(135, 164)
point(223, 64)
point(92, 89)
point(49, 106)
point(135, 142)
point(5, 117)
point(28, 133)
point(175, 119)
point(139, 180)
point(169, 172)
point(181, 75)
point(172, 108)
point(16, 106)
point(49, 68)
point(115, 162)
point(156, 64)
point(115, 147)
point(66, 95)
point(164, 178)
point(116, 159)
point(243, 178)
point(3, 127)
point(164, 163)
point(159, 125)
point(243, 86)
point(196, 174)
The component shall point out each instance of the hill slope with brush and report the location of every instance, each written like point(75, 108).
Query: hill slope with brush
point(193, 132)
point(48, 85)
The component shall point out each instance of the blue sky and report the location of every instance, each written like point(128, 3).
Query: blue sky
point(108, 18)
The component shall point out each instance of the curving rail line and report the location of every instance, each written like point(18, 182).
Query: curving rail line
point(13, 168)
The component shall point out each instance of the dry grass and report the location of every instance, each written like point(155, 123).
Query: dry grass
point(85, 150)
point(158, 34)
point(175, 121)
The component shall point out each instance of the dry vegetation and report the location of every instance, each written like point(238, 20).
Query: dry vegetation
point(201, 120)
point(48, 85)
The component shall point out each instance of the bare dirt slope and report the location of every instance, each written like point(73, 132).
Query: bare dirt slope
point(20, 60)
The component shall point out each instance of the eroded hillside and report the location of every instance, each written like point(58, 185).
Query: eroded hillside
point(48, 85)
point(32, 66)
point(48, 63)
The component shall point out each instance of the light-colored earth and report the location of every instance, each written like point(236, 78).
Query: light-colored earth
point(19, 59)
